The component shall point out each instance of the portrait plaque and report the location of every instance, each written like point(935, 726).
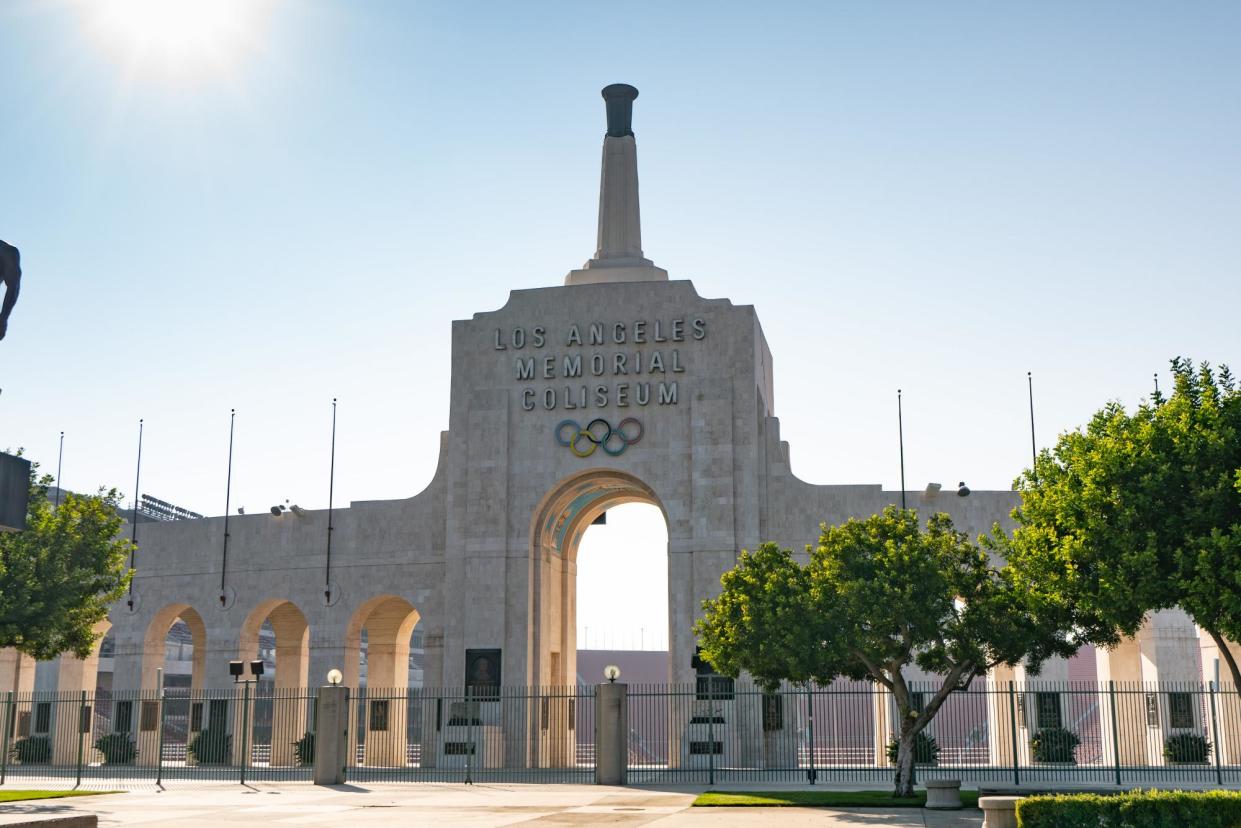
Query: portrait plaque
point(482, 673)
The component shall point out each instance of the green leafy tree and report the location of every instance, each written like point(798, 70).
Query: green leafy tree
point(876, 597)
point(1141, 511)
point(60, 575)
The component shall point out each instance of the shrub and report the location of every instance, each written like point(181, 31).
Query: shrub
point(1054, 744)
point(117, 748)
point(305, 748)
point(1186, 747)
point(1138, 809)
point(33, 750)
point(926, 750)
point(211, 747)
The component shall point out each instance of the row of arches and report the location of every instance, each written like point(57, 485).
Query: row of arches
point(381, 636)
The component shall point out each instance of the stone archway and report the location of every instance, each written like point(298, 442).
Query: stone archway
point(556, 530)
point(286, 703)
point(153, 645)
point(389, 620)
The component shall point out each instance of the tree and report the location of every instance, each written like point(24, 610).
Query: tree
point(59, 576)
point(1141, 511)
point(877, 596)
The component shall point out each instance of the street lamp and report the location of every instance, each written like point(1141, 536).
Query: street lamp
point(611, 673)
point(237, 669)
point(334, 677)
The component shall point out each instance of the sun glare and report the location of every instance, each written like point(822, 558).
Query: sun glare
point(179, 33)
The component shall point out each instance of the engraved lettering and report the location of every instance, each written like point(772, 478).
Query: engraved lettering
point(596, 333)
point(572, 366)
point(525, 368)
point(537, 336)
point(699, 327)
point(668, 393)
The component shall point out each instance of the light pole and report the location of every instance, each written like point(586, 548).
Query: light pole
point(237, 670)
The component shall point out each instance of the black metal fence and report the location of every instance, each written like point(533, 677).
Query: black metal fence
point(240, 735)
point(514, 734)
point(714, 731)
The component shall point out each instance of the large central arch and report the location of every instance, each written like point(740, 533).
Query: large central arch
point(556, 530)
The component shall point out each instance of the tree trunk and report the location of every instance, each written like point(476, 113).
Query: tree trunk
point(905, 763)
point(1226, 654)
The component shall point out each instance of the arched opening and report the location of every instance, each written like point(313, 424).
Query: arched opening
point(559, 526)
point(175, 642)
point(277, 634)
point(622, 596)
point(386, 623)
point(174, 651)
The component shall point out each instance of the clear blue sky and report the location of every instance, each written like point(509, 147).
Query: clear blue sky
point(937, 197)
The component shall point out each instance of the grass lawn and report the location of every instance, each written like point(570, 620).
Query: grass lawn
point(820, 799)
point(21, 796)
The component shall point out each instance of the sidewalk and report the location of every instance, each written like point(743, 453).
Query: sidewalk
point(475, 806)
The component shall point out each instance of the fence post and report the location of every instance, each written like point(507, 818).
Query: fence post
point(8, 729)
point(612, 734)
point(1219, 773)
point(1111, 691)
point(77, 726)
point(471, 743)
point(1012, 727)
point(710, 730)
point(159, 757)
point(331, 735)
point(810, 729)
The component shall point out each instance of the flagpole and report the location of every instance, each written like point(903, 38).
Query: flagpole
point(133, 540)
point(900, 428)
point(331, 486)
point(228, 492)
point(60, 459)
point(1033, 447)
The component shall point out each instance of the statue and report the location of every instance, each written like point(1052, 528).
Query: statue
point(11, 278)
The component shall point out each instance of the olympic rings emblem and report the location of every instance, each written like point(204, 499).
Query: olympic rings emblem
point(599, 433)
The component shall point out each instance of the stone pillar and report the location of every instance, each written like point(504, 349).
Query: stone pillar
point(331, 740)
point(292, 666)
point(611, 734)
point(1000, 715)
point(17, 676)
point(882, 710)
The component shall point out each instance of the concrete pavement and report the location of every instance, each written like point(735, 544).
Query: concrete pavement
point(459, 806)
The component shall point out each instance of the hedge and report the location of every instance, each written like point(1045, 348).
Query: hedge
point(1139, 809)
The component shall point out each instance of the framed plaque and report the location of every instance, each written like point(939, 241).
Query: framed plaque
point(482, 673)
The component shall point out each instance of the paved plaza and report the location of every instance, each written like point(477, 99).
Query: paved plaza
point(455, 805)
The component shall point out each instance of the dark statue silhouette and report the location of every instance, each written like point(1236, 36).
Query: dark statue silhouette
point(11, 278)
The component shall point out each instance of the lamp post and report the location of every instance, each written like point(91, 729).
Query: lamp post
point(237, 670)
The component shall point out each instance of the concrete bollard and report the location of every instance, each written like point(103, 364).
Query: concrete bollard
point(611, 734)
point(943, 794)
point(999, 811)
point(332, 735)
